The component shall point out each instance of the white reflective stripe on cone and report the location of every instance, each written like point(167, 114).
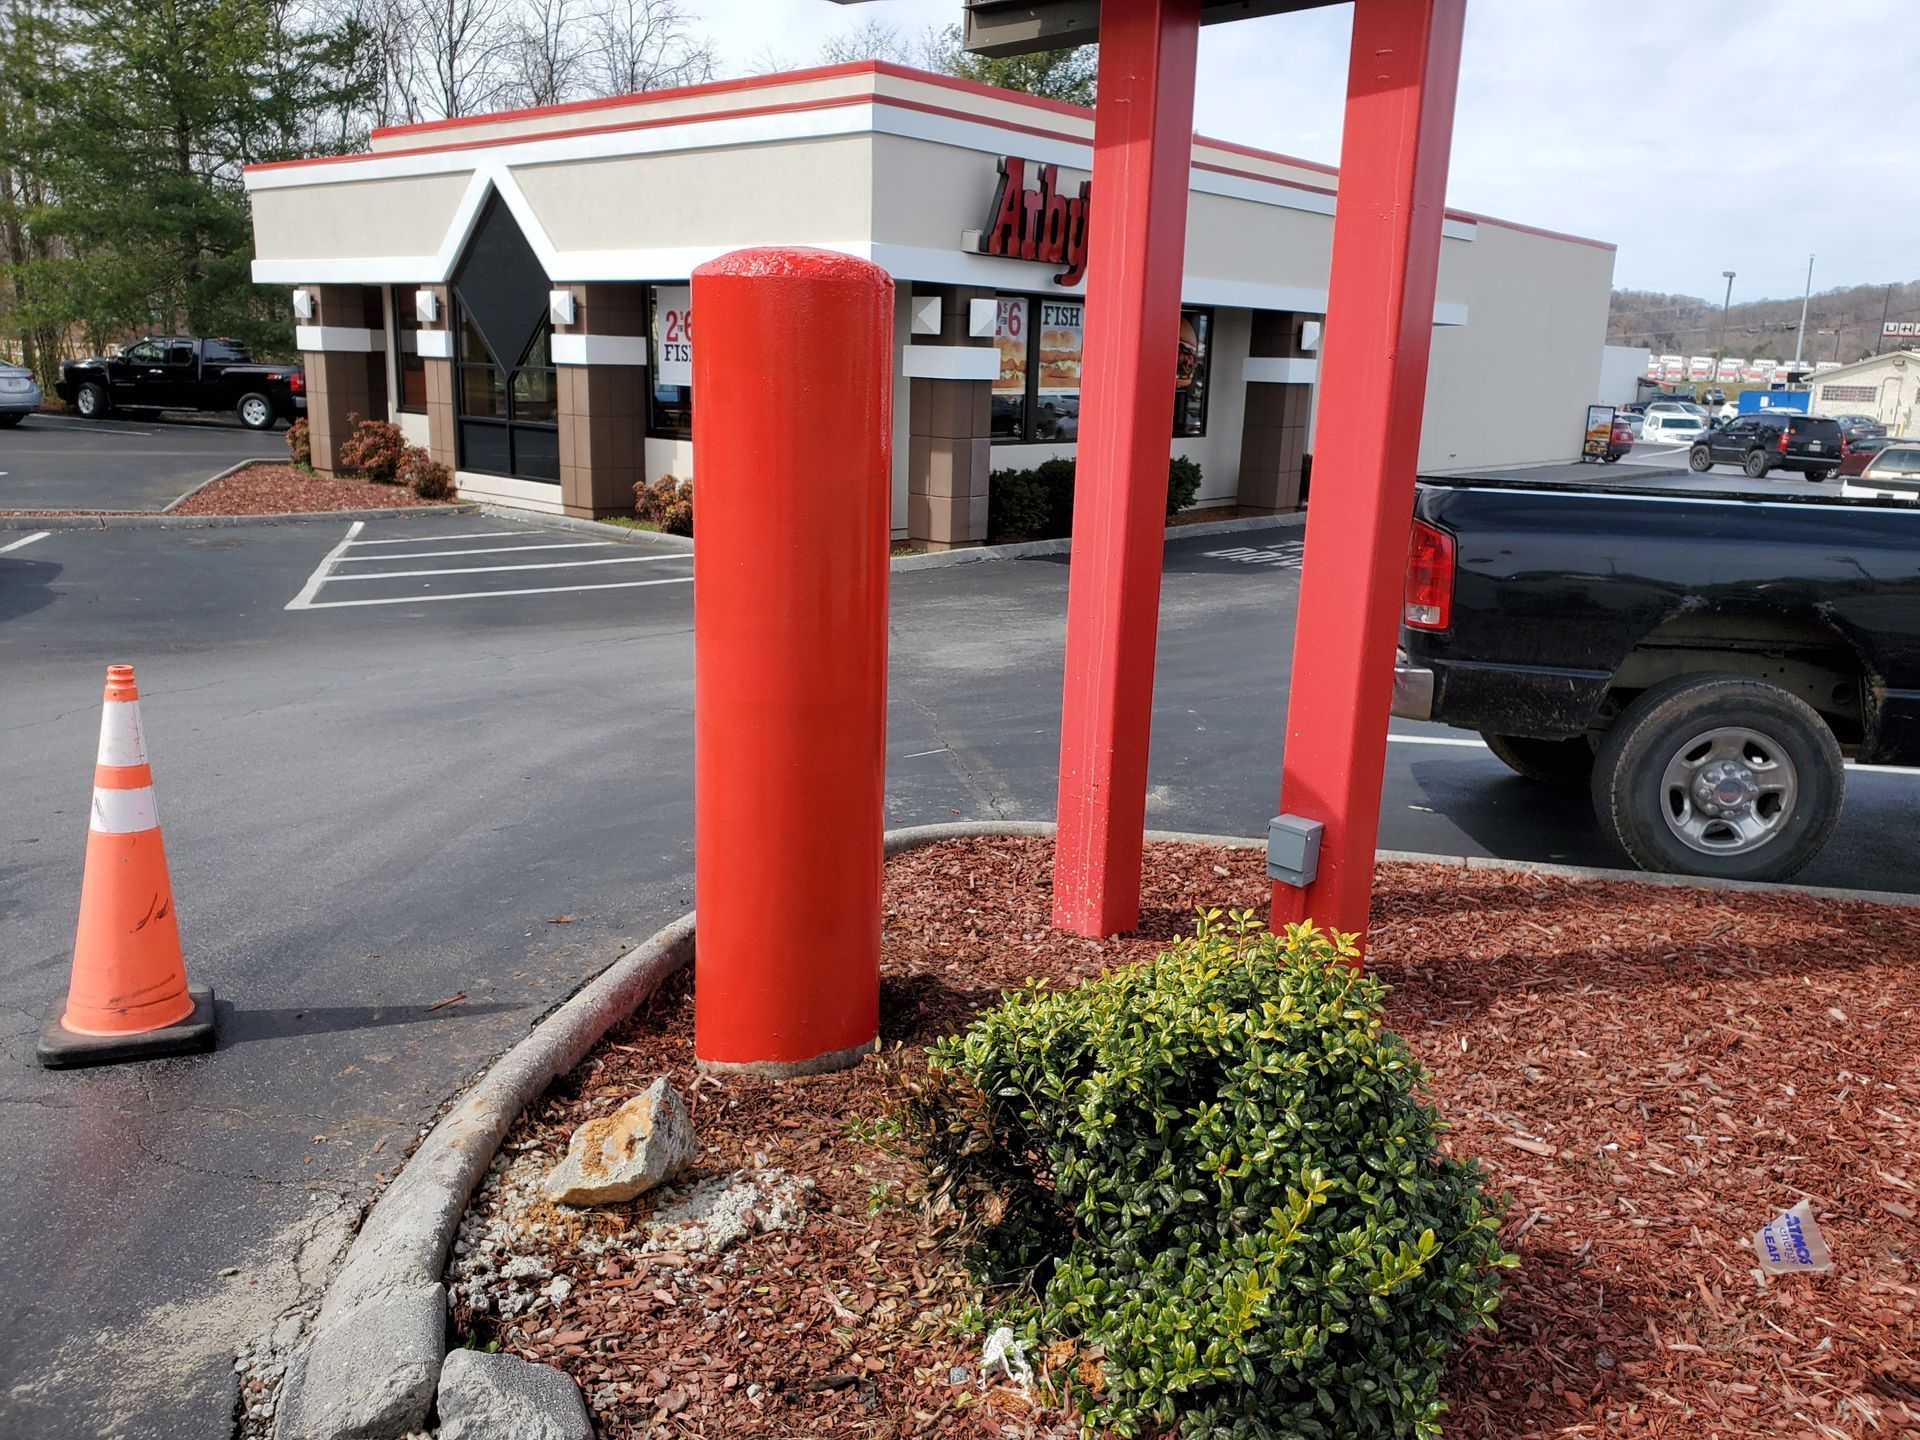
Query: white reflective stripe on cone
point(124, 812)
point(122, 742)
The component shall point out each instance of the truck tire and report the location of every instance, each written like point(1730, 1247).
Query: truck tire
point(255, 411)
point(1757, 465)
point(1552, 762)
point(11, 419)
point(1699, 459)
point(92, 401)
point(1719, 775)
point(1816, 476)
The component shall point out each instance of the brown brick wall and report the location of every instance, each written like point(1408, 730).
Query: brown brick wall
point(949, 421)
point(1273, 439)
point(603, 408)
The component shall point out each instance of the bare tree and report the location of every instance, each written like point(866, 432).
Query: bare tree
point(646, 45)
point(877, 40)
point(546, 55)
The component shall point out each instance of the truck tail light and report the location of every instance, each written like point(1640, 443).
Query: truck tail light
point(1429, 600)
point(297, 382)
point(1785, 431)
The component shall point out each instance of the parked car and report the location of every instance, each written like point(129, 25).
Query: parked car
point(19, 394)
point(1859, 453)
point(1893, 473)
point(1706, 697)
point(1809, 445)
point(180, 372)
point(1859, 427)
point(1620, 441)
point(1670, 425)
point(1634, 420)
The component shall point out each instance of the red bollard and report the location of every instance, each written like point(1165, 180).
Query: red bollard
point(793, 374)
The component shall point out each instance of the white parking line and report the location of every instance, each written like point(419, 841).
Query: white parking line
point(415, 539)
point(480, 550)
point(24, 540)
point(304, 600)
point(496, 569)
point(494, 594)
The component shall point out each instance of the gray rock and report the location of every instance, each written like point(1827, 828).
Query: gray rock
point(369, 1373)
point(502, 1397)
point(611, 1158)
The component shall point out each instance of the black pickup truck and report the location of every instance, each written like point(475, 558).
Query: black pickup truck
point(1703, 662)
point(179, 372)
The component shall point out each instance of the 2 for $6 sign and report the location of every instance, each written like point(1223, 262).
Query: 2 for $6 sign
point(673, 335)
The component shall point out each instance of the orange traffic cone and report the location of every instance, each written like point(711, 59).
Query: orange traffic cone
point(129, 998)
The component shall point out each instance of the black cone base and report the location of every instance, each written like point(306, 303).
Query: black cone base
point(62, 1049)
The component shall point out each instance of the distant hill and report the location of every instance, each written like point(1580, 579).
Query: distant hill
point(1690, 325)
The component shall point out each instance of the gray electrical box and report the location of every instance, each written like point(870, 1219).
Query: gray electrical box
point(1293, 849)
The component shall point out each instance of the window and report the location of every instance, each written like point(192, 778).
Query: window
point(1850, 394)
point(505, 387)
point(670, 362)
point(180, 352)
point(1042, 340)
point(147, 352)
point(409, 365)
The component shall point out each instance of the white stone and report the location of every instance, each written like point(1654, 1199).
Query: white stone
point(612, 1158)
point(502, 1397)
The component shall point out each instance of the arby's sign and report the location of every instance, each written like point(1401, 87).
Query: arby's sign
point(1042, 224)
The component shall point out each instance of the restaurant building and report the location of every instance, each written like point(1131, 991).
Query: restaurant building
point(512, 289)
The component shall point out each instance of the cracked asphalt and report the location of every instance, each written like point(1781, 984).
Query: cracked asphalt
point(402, 829)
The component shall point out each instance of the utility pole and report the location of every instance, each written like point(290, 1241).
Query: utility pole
point(1885, 301)
point(1799, 340)
point(1720, 351)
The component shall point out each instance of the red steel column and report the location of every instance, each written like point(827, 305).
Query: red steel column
point(792, 422)
point(1142, 148)
point(1401, 79)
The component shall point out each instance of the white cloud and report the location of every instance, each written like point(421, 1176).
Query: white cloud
point(1735, 135)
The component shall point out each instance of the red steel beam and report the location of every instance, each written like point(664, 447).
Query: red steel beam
point(1142, 147)
point(1402, 75)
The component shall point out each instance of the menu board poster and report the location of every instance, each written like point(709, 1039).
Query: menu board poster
point(1010, 336)
point(1599, 430)
point(1190, 373)
point(1062, 334)
point(673, 335)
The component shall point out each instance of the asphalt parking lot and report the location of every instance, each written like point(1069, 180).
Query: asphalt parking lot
point(1664, 467)
point(61, 462)
point(418, 778)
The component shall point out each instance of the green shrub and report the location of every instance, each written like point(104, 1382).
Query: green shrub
point(374, 451)
point(1183, 483)
point(1215, 1168)
point(300, 444)
point(667, 502)
point(429, 478)
point(1037, 504)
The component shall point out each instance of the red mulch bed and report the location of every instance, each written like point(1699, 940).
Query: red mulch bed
point(1651, 1073)
point(282, 490)
point(1214, 512)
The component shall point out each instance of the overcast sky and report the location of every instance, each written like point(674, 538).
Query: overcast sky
point(1740, 135)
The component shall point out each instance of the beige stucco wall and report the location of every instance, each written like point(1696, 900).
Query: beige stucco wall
point(346, 220)
point(796, 193)
point(1537, 311)
point(1895, 380)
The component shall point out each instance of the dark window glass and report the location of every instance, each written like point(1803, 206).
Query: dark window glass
point(484, 447)
point(536, 453)
point(473, 345)
point(147, 352)
point(180, 353)
point(669, 406)
point(411, 366)
point(1190, 373)
point(225, 350)
point(483, 391)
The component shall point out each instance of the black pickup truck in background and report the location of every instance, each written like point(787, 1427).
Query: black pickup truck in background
point(179, 372)
point(1702, 662)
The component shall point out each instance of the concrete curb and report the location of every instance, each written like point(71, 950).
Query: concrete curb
point(621, 534)
point(160, 520)
point(976, 555)
point(370, 1368)
point(236, 467)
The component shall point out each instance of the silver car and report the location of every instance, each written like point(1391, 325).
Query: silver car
point(19, 394)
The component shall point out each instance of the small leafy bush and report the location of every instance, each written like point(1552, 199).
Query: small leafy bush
point(300, 444)
point(374, 451)
point(1037, 504)
point(667, 502)
point(429, 478)
point(1214, 1174)
point(1183, 483)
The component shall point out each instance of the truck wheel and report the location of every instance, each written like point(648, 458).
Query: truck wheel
point(1816, 476)
point(1757, 464)
point(92, 401)
point(255, 412)
point(11, 419)
point(1554, 762)
point(1719, 775)
point(1699, 459)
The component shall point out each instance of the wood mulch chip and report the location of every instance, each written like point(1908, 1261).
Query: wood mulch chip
point(282, 490)
point(1650, 1073)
